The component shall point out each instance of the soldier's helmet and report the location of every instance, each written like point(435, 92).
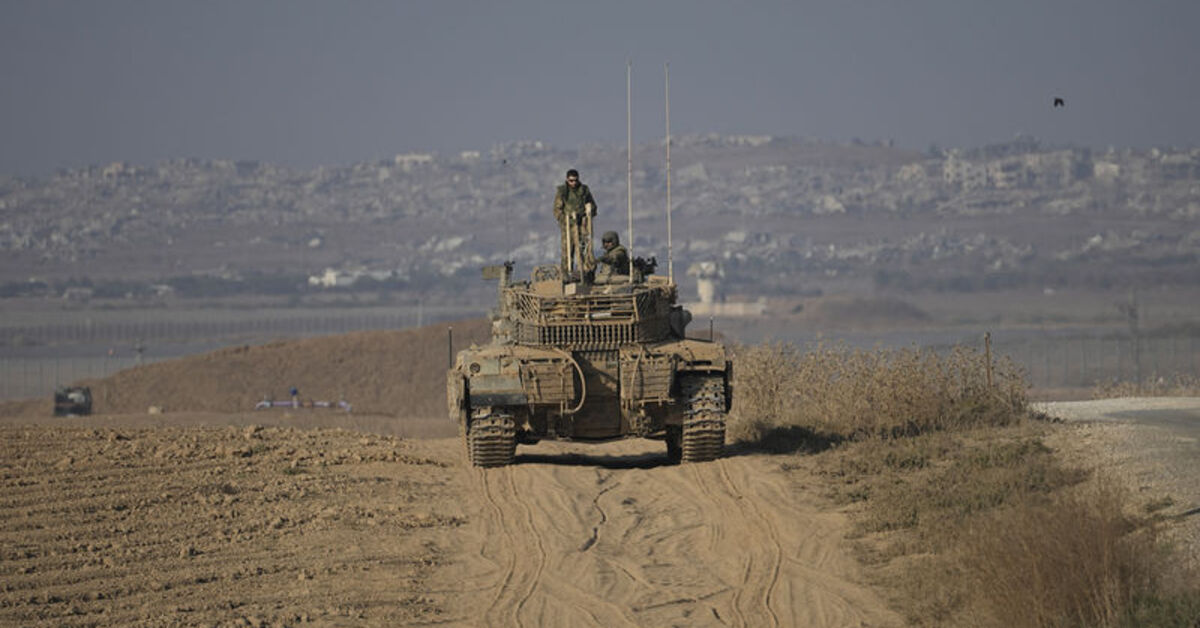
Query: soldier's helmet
point(610, 236)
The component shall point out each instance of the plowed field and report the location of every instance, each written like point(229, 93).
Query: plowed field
point(213, 520)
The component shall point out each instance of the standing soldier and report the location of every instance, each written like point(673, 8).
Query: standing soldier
point(574, 208)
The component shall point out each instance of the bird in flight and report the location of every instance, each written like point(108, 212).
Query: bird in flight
point(1058, 102)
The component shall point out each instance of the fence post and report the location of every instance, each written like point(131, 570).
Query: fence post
point(987, 351)
point(1120, 371)
point(1155, 351)
point(1029, 358)
point(1083, 361)
point(1066, 362)
point(1175, 356)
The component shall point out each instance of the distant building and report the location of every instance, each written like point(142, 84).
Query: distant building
point(334, 278)
point(77, 294)
point(1178, 167)
point(1009, 172)
point(408, 160)
point(708, 280)
point(960, 173)
point(708, 276)
point(1106, 171)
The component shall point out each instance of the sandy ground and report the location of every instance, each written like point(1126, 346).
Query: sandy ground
point(277, 519)
point(319, 518)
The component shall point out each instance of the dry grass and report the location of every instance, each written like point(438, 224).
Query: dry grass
point(949, 480)
point(962, 511)
point(1074, 560)
point(837, 393)
point(1177, 385)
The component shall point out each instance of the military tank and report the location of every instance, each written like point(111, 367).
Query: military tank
point(589, 359)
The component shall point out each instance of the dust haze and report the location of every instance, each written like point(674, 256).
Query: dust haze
point(207, 206)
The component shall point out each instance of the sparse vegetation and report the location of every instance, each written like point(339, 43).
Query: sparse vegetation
point(959, 507)
point(839, 394)
point(1076, 559)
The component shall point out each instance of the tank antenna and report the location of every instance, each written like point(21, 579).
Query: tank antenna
point(670, 256)
point(629, 158)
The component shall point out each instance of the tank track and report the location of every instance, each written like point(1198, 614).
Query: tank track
point(492, 440)
point(704, 417)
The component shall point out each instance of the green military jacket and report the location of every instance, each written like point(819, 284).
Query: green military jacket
point(568, 200)
point(617, 258)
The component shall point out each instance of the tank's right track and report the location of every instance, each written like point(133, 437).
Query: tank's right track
point(704, 418)
point(492, 440)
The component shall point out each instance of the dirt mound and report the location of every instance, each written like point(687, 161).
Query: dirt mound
point(399, 373)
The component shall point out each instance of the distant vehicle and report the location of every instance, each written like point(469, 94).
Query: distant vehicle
point(73, 401)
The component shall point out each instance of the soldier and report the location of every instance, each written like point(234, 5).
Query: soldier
point(574, 208)
point(615, 257)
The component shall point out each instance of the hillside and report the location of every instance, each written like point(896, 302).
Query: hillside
point(399, 373)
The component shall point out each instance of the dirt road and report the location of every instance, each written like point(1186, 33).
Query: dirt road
point(219, 522)
point(616, 538)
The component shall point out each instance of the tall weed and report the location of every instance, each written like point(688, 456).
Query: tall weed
point(1076, 560)
point(836, 393)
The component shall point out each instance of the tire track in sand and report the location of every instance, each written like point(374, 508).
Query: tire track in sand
point(763, 523)
point(618, 538)
point(758, 542)
point(536, 578)
point(715, 523)
point(522, 573)
point(527, 524)
point(496, 521)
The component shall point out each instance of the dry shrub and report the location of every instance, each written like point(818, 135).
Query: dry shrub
point(1177, 385)
point(1074, 560)
point(988, 528)
point(969, 479)
point(837, 393)
point(930, 483)
point(1180, 609)
point(763, 386)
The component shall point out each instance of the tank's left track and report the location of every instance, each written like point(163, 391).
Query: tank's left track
point(492, 440)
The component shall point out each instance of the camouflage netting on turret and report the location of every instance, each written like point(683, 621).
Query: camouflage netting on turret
point(591, 321)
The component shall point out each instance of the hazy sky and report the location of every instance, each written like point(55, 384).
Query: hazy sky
point(304, 82)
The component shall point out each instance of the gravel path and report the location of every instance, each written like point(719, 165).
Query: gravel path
point(1152, 445)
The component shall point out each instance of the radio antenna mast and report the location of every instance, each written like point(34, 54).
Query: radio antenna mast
point(670, 256)
point(629, 160)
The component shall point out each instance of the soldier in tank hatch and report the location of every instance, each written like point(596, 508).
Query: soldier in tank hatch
point(615, 257)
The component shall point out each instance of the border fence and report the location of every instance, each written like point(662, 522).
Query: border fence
point(1074, 362)
point(37, 358)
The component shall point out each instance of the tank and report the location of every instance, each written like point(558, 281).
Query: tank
point(589, 359)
